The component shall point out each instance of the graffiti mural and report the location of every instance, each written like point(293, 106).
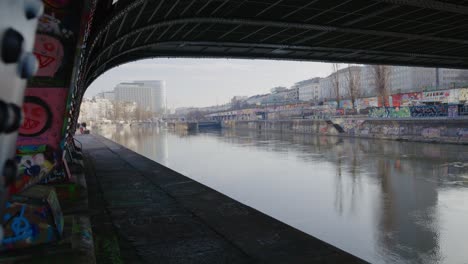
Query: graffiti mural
point(49, 53)
point(380, 112)
point(37, 117)
point(43, 116)
point(346, 104)
point(36, 221)
point(409, 99)
point(35, 163)
point(436, 96)
point(351, 127)
point(363, 103)
point(390, 112)
point(412, 111)
point(428, 111)
point(431, 132)
point(452, 111)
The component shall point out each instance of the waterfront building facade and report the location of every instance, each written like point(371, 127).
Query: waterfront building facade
point(309, 90)
point(148, 95)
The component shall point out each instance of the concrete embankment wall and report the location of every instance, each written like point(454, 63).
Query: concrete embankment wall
point(433, 130)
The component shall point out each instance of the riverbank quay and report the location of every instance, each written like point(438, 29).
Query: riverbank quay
point(145, 212)
point(431, 130)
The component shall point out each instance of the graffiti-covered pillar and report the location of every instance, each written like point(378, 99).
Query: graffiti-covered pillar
point(58, 48)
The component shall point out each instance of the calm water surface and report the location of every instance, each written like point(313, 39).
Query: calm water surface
point(384, 201)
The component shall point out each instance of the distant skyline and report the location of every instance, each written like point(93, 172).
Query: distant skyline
point(206, 82)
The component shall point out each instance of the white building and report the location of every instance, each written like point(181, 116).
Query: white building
point(278, 89)
point(327, 85)
point(149, 95)
point(109, 95)
point(451, 78)
point(410, 79)
point(309, 90)
point(403, 79)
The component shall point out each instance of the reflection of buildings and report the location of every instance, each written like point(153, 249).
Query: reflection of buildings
point(406, 191)
point(146, 140)
point(407, 220)
point(156, 146)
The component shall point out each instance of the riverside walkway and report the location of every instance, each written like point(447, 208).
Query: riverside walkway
point(143, 212)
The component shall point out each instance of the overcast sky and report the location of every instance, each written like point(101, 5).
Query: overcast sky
point(205, 82)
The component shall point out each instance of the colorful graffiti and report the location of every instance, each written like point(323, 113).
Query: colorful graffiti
point(346, 104)
point(43, 116)
point(413, 111)
point(428, 111)
point(436, 96)
point(363, 103)
point(28, 150)
point(34, 166)
point(37, 117)
point(406, 99)
point(33, 222)
point(49, 53)
point(452, 111)
point(390, 112)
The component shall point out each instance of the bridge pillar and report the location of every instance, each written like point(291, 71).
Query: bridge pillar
point(41, 113)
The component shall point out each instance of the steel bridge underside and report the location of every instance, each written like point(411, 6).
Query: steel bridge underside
point(401, 32)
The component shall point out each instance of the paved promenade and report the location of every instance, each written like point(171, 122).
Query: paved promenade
point(143, 212)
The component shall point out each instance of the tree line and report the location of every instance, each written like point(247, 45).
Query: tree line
point(127, 111)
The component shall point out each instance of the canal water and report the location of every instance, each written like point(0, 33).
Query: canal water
point(383, 201)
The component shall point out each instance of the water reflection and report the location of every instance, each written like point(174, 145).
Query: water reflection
point(384, 201)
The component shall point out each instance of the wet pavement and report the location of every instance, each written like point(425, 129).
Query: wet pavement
point(142, 211)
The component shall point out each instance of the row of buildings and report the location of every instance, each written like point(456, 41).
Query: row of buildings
point(138, 100)
point(399, 79)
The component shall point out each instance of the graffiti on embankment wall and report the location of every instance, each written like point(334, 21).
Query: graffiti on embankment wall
point(390, 112)
point(423, 130)
point(410, 111)
point(431, 132)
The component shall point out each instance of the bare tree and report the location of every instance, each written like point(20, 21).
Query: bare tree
point(195, 115)
point(116, 110)
point(127, 110)
point(354, 84)
point(138, 113)
point(336, 82)
point(381, 81)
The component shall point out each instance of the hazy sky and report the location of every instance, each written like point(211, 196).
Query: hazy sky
point(205, 82)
